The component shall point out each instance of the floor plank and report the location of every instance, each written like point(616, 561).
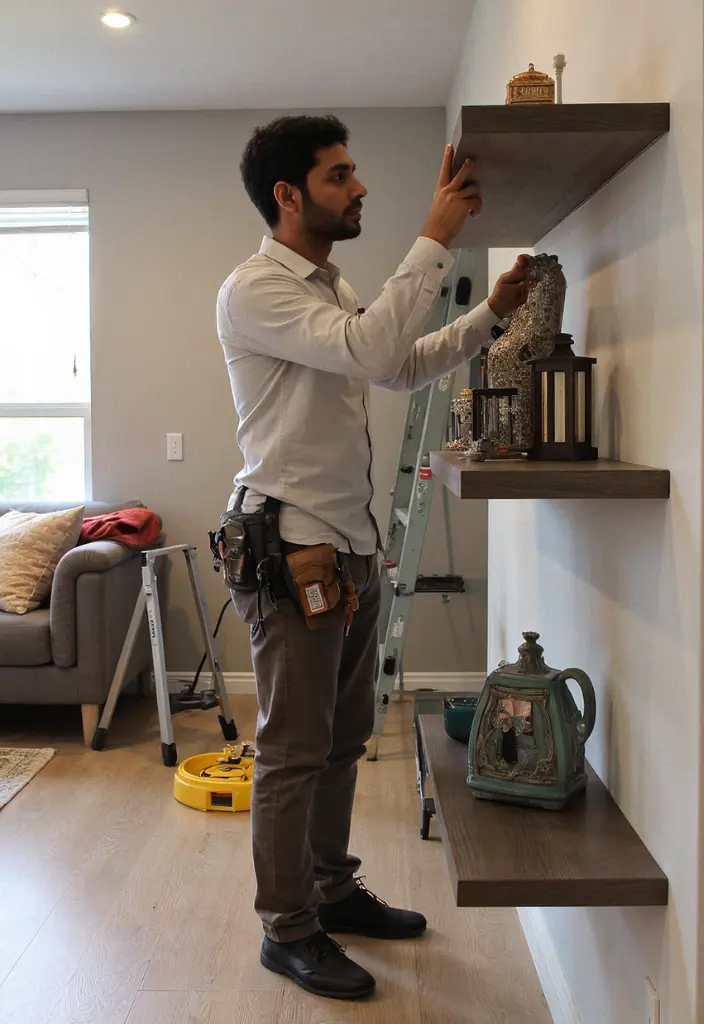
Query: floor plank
point(233, 1007)
point(127, 908)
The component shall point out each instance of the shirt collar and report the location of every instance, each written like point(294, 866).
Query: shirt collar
point(294, 262)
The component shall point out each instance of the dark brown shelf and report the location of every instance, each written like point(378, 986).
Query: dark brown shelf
point(505, 856)
point(536, 164)
point(526, 479)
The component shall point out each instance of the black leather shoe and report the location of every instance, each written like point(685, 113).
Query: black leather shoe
point(319, 966)
point(363, 913)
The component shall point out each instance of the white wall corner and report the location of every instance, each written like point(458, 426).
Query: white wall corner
point(557, 992)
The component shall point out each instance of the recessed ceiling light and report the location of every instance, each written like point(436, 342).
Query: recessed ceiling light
point(117, 19)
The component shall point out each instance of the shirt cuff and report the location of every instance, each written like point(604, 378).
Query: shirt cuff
point(482, 319)
point(433, 259)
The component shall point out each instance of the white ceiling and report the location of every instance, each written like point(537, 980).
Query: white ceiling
point(199, 54)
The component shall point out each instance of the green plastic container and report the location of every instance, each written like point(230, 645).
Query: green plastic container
point(459, 715)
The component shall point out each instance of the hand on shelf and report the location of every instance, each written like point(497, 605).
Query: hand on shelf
point(455, 199)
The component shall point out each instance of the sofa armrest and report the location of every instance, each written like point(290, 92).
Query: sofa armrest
point(96, 557)
point(105, 603)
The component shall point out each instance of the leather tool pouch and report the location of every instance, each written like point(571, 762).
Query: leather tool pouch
point(247, 547)
point(315, 576)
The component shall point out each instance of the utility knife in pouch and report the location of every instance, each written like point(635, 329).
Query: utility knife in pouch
point(315, 575)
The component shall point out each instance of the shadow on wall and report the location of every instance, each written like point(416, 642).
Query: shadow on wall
point(630, 212)
point(634, 937)
point(586, 551)
point(594, 545)
point(585, 538)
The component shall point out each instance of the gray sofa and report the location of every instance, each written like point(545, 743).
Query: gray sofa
point(66, 652)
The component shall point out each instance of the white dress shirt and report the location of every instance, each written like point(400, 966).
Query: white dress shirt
point(301, 356)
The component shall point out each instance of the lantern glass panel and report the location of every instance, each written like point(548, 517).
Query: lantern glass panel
point(560, 424)
point(581, 406)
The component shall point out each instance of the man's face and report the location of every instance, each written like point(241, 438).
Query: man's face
point(332, 209)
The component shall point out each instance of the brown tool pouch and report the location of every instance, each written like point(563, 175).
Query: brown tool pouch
point(315, 575)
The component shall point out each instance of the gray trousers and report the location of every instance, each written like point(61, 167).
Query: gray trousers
point(315, 690)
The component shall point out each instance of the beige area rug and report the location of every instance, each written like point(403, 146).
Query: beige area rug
point(18, 766)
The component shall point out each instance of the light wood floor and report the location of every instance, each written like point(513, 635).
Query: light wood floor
point(120, 906)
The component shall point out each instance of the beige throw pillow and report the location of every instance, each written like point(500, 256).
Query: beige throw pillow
point(31, 545)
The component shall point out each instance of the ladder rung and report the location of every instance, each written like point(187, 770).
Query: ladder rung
point(402, 515)
point(449, 584)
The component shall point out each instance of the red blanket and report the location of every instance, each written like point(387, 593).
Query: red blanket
point(135, 527)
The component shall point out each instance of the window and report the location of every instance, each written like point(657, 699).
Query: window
point(44, 346)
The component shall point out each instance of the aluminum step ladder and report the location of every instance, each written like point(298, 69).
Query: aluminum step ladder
point(425, 431)
point(148, 600)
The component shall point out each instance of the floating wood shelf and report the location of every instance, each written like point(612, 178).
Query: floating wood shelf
point(527, 479)
point(536, 164)
point(505, 856)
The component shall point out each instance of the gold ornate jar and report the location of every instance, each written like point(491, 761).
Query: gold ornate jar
point(530, 86)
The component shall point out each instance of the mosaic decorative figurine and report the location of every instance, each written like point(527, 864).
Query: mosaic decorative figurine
point(531, 332)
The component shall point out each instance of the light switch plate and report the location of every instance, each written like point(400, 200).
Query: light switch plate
point(174, 447)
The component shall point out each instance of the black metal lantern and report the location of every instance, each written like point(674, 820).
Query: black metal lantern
point(562, 405)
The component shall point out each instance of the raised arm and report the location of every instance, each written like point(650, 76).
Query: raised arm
point(276, 315)
point(445, 350)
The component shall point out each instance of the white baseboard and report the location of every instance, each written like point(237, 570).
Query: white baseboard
point(472, 682)
point(235, 682)
point(558, 995)
point(243, 682)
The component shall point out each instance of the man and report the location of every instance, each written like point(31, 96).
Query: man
point(301, 355)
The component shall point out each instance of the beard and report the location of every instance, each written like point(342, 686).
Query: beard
point(327, 225)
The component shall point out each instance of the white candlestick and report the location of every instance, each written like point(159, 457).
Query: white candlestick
point(559, 64)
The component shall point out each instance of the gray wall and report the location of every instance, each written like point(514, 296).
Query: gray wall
point(169, 220)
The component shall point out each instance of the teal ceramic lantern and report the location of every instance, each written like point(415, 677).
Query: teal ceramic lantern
point(528, 735)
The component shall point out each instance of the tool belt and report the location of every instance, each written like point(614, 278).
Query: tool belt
point(248, 549)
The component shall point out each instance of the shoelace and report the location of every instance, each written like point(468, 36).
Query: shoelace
point(367, 892)
point(321, 945)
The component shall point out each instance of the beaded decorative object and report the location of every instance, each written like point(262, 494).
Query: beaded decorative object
point(531, 332)
point(460, 433)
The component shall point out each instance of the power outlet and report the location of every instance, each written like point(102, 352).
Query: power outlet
point(653, 1002)
point(174, 447)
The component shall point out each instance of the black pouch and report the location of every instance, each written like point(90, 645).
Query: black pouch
point(246, 544)
point(233, 551)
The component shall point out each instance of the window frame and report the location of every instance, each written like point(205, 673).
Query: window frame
point(48, 410)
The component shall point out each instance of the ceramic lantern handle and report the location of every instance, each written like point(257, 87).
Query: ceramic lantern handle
point(588, 695)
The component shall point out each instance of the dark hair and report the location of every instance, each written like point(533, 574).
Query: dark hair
point(285, 150)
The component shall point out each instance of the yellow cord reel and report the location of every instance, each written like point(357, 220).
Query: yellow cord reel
point(217, 782)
